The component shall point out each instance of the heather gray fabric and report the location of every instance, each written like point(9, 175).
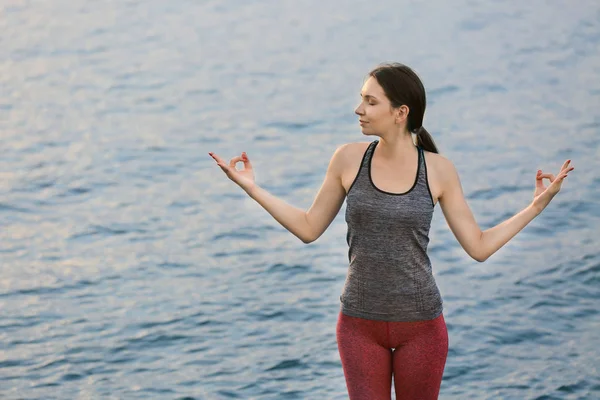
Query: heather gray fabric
point(389, 276)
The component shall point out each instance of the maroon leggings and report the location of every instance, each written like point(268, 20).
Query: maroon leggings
point(417, 361)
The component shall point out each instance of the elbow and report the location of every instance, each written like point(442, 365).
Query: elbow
point(479, 257)
point(476, 254)
point(308, 236)
point(307, 241)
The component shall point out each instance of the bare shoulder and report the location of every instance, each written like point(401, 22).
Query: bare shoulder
point(436, 161)
point(349, 152)
point(438, 168)
point(343, 158)
point(356, 148)
point(443, 172)
point(352, 155)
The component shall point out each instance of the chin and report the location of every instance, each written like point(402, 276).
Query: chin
point(366, 132)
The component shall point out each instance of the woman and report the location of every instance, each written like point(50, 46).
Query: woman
point(391, 321)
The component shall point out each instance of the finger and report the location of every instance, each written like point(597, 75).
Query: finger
point(566, 163)
point(219, 160)
point(547, 175)
point(564, 174)
point(247, 164)
point(559, 179)
point(234, 161)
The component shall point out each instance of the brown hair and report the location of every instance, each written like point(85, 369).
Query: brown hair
point(402, 86)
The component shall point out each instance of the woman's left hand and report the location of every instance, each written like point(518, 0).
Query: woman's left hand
point(543, 195)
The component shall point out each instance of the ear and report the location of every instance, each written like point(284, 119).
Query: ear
point(401, 113)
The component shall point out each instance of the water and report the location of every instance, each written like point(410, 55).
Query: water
point(132, 268)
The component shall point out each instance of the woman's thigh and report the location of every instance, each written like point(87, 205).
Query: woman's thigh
point(419, 358)
point(366, 357)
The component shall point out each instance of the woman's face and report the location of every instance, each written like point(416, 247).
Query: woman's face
point(375, 112)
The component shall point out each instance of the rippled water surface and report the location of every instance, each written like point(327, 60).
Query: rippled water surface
point(132, 268)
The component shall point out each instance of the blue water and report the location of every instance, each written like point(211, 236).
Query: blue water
point(132, 268)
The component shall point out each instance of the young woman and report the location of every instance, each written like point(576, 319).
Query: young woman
point(391, 321)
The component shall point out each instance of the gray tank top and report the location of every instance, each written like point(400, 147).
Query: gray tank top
point(389, 276)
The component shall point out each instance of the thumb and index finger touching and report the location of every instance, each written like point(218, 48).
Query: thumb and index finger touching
point(565, 169)
point(243, 158)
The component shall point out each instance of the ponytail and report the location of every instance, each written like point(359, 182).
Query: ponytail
point(425, 141)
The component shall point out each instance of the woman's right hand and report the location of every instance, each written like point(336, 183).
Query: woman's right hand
point(244, 178)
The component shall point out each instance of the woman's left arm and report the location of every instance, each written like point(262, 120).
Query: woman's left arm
point(480, 245)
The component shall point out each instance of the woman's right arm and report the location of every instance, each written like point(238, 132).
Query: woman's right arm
point(309, 225)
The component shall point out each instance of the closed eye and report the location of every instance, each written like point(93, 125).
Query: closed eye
point(370, 99)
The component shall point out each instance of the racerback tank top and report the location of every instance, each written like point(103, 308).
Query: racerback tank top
point(389, 275)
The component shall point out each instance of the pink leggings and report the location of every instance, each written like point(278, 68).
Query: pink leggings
point(417, 361)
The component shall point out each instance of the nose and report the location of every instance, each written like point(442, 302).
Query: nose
point(358, 110)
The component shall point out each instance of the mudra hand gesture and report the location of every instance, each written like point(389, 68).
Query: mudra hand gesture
point(244, 178)
point(543, 194)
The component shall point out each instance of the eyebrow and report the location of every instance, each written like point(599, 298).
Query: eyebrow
point(368, 96)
